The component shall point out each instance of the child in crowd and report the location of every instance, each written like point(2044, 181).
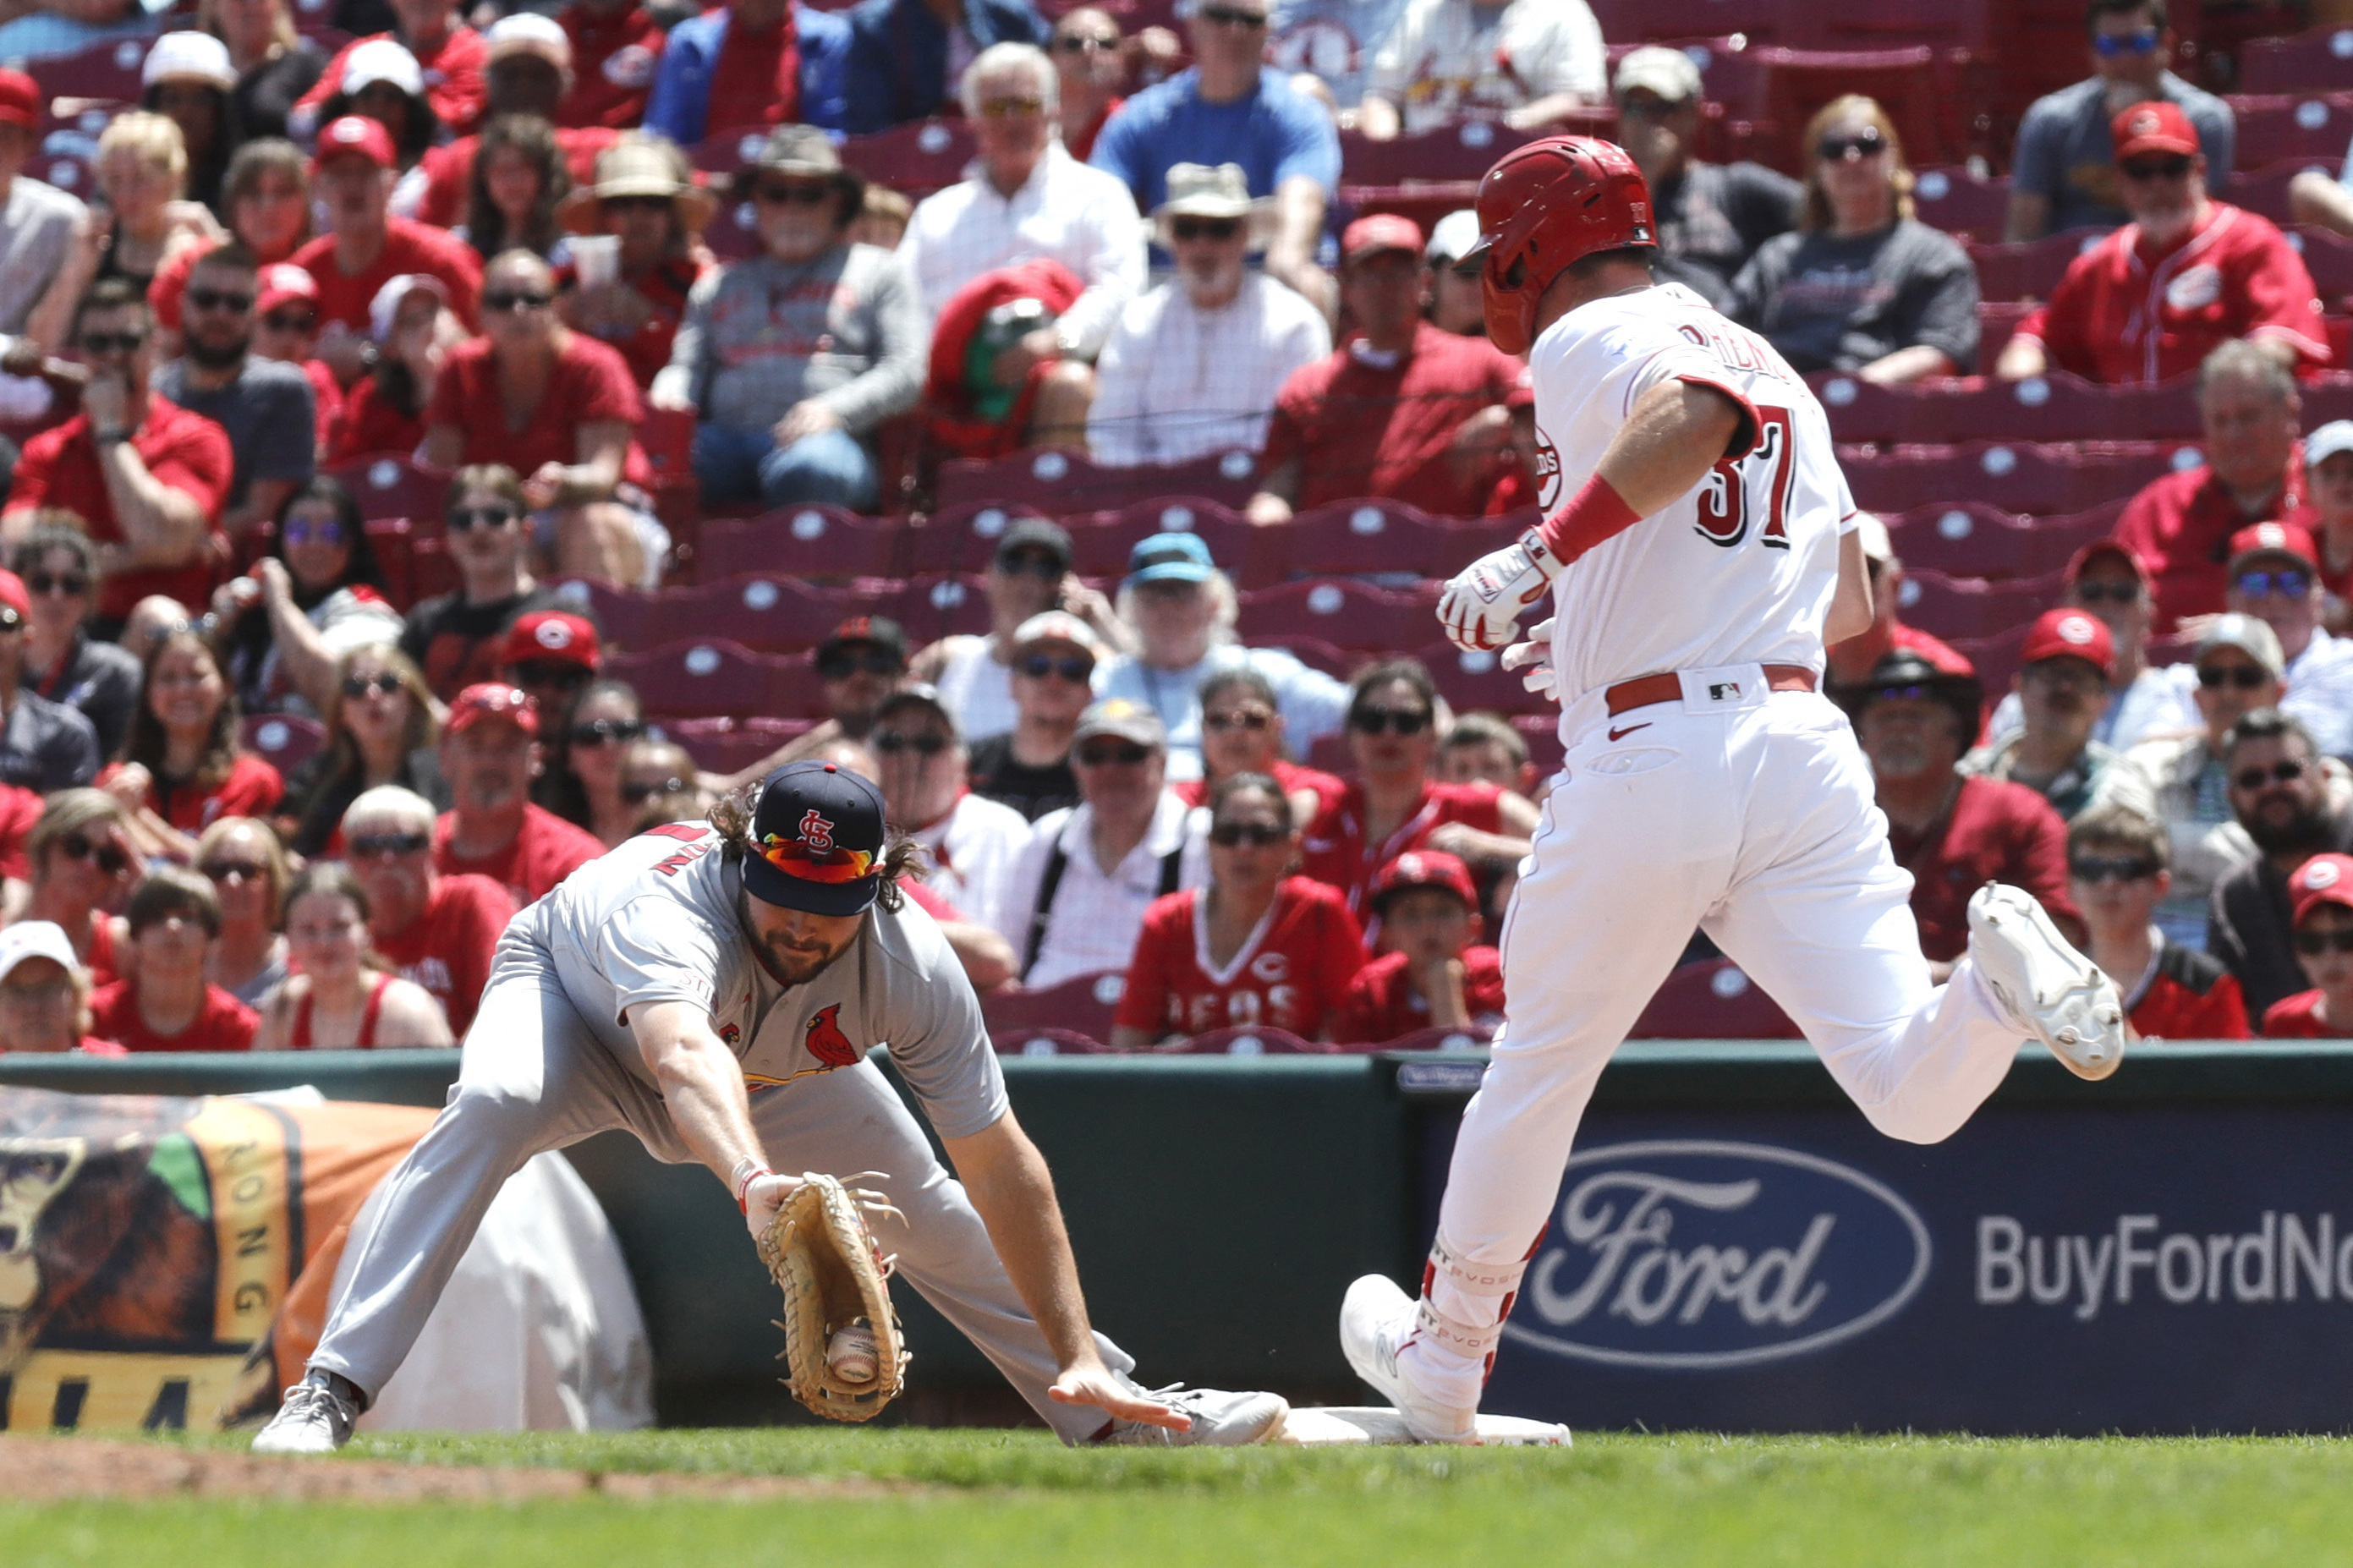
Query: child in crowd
point(2119, 865)
point(1435, 974)
point(169, 1005)
point(2321, 895)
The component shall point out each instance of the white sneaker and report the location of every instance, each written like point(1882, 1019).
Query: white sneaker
point(1220, 1420)
point(1375, 1318)
point(312, 1420)
point(2054, 992)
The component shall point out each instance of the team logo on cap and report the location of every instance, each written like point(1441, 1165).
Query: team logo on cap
point(351, 130)
point(813, 855)
point(817, 831)
point(2144, 122)
point(2319, 874)
point(2076, 629)
point(552, 635)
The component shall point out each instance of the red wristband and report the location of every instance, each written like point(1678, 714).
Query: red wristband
point(745, 1174)
point(1594, 515)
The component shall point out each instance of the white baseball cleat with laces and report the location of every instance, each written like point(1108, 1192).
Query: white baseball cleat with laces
point(314, 1419)
point(1375, 1319)
point(2054, 992)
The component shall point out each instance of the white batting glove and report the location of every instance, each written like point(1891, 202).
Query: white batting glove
point(1535, 656)
point(760, 1193)
point(1481, 607)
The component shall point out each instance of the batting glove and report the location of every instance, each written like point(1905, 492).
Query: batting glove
point(1535, 656)
point(1481, 608)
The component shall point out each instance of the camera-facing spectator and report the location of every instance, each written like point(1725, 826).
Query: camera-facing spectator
point(2275, 577)
point(1484, 748)
point(882, 218)
point(2108, 582)
point(316, 595)
point(166, 1004)
point(414, 331)
point(607, 719)
point(2119, 874)
point(151, 620)
point(382, 82)
point(550, 657)
point(1530, 62)
point(2329, 515)
point(2063, 174)
point(1091, 69)
point(1405, 411)
point(247, 866)
point(83, 866)
point(184, 765)
point(1028, 575)
point(1255, 947)
point(746, 63)
point(381, 729)
point(342, 999)
point(1195, 366)
point(2106, 321)
point(436, 930)
point(517, 179)
point(265, 407)
point(1079, 889)
point(1437, 973)
point(1027, 767)
point(44, 994)
point(450, 57)
point(970, 841)
point(1711, 217)
point(459, 638)
point(285, 329)
point(62, 662)
point(2282, 795)
point(1243, 731)
point(266, 200)
point(660, 782)
point(617, 48)
point(477, 180)
point(2066, 666)
point(644, 199)
point(904, 53)
point(1952, 830)
point(490, 754)
point(1862, 286)
point(43, 745)
point(859, 665)
point(140, 219)
point(2320, 893)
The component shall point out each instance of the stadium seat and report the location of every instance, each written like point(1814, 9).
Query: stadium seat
point(431, 572)
point(1101, 541)
point(767, 612)
point(934, 607)
point(1059, 483)
point(1956, 608)
point(2028, 271)
point(722, 153)
point(732, 234)
point(1997, 324)
point(395, 484)
point(694, 679)
point(1713, 1000)
point(917, 158)
point(1860, 412)
point(1541, 730)
point(1916, 86)
point(1345, 614)
point(284, 741)
point(1462, 152)
point(1379, 539)
point(1470, 681)
point(107, 69)
point(2280, 126)
point(727, 746)
point(1316, 654)
point(1670, 21)
point(1249, 1042)
point(1082, 1004)
point(389, 538)
point(962, 538)
point(1469, 1038)
point(824, 543)
point(2264, 190)
point(1995, 658)
point(2013, 476)
point(1964, 538)
point(69, 169)
point(1045, 1043)
point(1963, 204)
point(2320, 61)
point(2330, 258)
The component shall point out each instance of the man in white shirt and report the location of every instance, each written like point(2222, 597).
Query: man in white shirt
point(1194, 366)
point(2275, 578)
point(38, 222)
point(971, 842)
point(1529, 61)
point(1076, 897)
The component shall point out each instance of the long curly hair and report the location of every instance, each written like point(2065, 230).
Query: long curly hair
point(145, 742)
point(731, 814)
point(486, 228)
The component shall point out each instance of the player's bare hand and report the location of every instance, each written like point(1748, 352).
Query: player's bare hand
point(1095, 1385)
point(1481, 608)
point(1534, 657)
point(760, 1193)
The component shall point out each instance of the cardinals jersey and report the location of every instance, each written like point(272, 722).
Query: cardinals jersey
point(656, 920)
point(1739, 571)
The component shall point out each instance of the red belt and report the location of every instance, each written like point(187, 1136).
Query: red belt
point(1644, 690)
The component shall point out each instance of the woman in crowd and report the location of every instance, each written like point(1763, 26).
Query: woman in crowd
point(274, 64)
point(342, 998)
point(413, 329)
point(1204, 955)
point(62, 662)
point(383, 727)
point(520, 178)
point(1862, 285)
point(45, 995)
point(84, 865)
point(645, 198)
point(166, 1004)
point(247, 867)
point(1242, 732)
point(586, 764)
point(188, 79)
point(316, 595)
point(184, 765)
point(265, 197)
point(139, 223)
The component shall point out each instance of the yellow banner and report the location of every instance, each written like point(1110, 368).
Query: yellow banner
point(116, 1391)
point(244, 1150)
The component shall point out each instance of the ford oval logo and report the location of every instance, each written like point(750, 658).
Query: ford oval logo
point(1690, 1254)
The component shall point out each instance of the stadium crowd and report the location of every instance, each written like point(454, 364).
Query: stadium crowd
point(389, 381)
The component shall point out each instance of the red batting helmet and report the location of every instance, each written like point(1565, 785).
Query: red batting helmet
point(1543, 206)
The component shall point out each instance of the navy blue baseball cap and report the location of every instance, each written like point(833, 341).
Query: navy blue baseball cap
point(1170, 558)
point(817, 840)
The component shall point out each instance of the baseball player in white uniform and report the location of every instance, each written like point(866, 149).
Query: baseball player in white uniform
point(1698, 543)
point(713, 987)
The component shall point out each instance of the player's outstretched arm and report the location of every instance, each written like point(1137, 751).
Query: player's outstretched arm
point(1010, 1187)
point(702, 1084)
point(1677, 432)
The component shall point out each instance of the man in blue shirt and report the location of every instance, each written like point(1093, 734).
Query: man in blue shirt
point(906, 57)
point(680, 107)
point(1233, 109)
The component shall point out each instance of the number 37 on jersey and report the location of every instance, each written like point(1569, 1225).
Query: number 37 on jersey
point(1751, 491)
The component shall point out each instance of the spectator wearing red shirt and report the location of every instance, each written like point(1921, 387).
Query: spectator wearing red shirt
point(559, 408)
point(2328, 514)
point(1393, 805)
point(1403, 410)
point(1851, 661)
point(413, 329)
point(642, 194)
point(1437, 973)
point(1254, 948)
point(44, 994)
point(2322, 897)
point(490, 754)
point(353, 176)
point(84, 865)
point(450, 57)
point(616, 44)
point(436, 930)
point(167, 1004)
point(1953, 832)
point(1243, 731)
point(2188, 274)
point(148, 477)
point(184, 764)
point(285, 329)
point(2180, 525)
point(530, 71)
point(2118, 871)
point(266, 194)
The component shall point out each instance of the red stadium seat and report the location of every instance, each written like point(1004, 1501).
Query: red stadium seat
point(725, 745)
point(2047, 409)
point(1101, 541)
point(2013, 476)
point(1711, 1000)
point(1666, 21)
point(284, 741)
point(1316, 654)
point(934, 607)
point(2320, 61)
point(1462, 152)
point(1916, 85)
point(962, 538)
point(1477, 680)
point(2281, 126)
point(1045, 1043)
point(431, 572)
point(395, 484)
point(823, 542)
point(67, 169)
point(1249, 1042)
point(1083, 1004)
point(1966, 539)
point(1861, 412)
point(695, 679)
point(1997, 324)
point(389, 537)
point(765, 613)
point(107, 69)
point(2264, 190)
point(718, 155)
point(1376, 538)
point(1343, 612)
point(2028, 271)
point(1060, 483)
point(1996, 659)
point(1958, 608)
point(2330, 258)
point(1961, 203)
point(918, 158)
point(732, 234)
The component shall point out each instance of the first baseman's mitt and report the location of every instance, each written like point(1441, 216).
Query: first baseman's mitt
point(822, 1256)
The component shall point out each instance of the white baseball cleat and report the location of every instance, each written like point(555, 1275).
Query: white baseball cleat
point(1375, 1319)
point(2054, 992)
point(1220, 1420)
point(314, 1419)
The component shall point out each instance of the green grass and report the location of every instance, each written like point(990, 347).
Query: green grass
point(994, 1500)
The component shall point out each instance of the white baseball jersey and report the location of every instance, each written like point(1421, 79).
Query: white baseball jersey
point(1740, 571)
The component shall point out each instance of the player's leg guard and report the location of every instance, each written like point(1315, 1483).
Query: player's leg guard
point(1459, 1323)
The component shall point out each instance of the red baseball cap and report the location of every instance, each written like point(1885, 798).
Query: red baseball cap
point(2099, 547)
point(492, 699)
point(20, 100)
point(2290, 538)
point(2156, 126)
point(1381, 231)
point(1425, 869)
point(281, 282)
point(556, 634)
point(2323, 880)
point(2071, 634)
point(355, 133)
point(13, 594)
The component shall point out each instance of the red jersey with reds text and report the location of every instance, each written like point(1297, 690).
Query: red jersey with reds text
point(184, 451)
point(2297, 1018)
point(446, 949)
point(1289, 973)
point(544, 850)
point(222, 1024)
point(408, 246)
point(2126, 314)
point(1383, 1006)
point(2190, 997)
point(1335, 848)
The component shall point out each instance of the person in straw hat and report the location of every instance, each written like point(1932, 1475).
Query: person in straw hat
point(645, 202)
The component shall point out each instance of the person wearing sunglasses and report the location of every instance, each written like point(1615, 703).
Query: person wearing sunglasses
point(2274, 577)
point(1091, 62)
point(1256, 946)
point(285, 329)
point(2293, 805)
point(459, 638)
point(265, 198)
point(315, 595)
point(1243, 732)
point(861, 662)
point(247, 867)
point(2109, 582)
point(2321, 893)
point(1862, 286)
point(44, 994)
point(437, 930)
point(969, 841)
point(645, 200)
point(1531, 63)
point(660, 784)
point(606, 722)
point(2187, 274)
point(1028, 575)
point(903, 54)
point(63, 663)
point(2062, 170)
point(165, 1003)
point(491, 753)
point(383, 728)
point(1393, 805)
point(2119, 872)
point(554, 657)
point(1437, 973)
point(1027, 767)
point(2066, 666)
point(43, 745)
point(83, 866)
point(775, 421)
point(265, 407)
point(1195, 366)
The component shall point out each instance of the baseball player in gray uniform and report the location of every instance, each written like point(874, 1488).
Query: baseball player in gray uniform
point(713, 987)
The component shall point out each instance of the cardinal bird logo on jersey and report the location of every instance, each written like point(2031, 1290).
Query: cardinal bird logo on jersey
point(825, 1041)
point(817, 833)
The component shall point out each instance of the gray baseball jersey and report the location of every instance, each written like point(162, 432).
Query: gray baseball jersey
point(656, 920)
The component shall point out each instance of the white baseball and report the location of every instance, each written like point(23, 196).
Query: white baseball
point(850, 1354)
